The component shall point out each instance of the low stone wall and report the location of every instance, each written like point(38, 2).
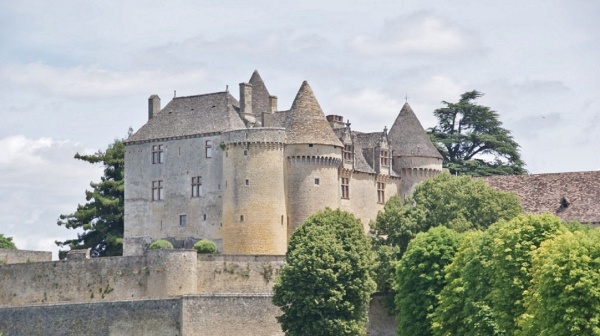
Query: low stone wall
point(124, 318)
point(218, 274)
point(23, 256)
point(159, 274)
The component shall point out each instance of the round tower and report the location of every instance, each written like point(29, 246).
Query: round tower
point(313, 157)
point(254, 202)
point(414, 157)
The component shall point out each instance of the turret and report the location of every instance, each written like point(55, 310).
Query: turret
point(254, 203)
point(313, 154)
point(414, 156)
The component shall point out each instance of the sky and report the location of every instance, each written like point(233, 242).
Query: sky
point(75, 75)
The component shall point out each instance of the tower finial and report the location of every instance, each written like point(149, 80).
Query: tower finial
point(406, 97)
point(174, 93)
point(348, 123)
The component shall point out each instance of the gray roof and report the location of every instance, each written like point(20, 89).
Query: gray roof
point(185, 116)
point(362, 141)
point(408, 138)
point(541, 193)
point(307, 123)
point(260, 95)
point(279, 118)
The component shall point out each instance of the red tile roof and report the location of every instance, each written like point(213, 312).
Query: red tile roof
point(570, 196)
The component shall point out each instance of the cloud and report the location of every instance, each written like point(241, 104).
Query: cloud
point(420, 33)
point(368, 109)
point(40, 179)
point(92, 82)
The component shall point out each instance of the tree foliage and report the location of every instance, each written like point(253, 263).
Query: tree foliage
point(472, 140)
point(101, 218)
point(460, 203)
point(420, 278)
point(489, 277)
point(325, 286)
point(7, 243)
point(564, 298)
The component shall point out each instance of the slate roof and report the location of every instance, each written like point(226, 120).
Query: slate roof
point(307, 123)
point(541, 193)
point(185, 116)
point(260, 95)
point(408, 138)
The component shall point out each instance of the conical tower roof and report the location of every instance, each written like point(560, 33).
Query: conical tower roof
point(408, 138)
point(260, 95)
point(307, 123)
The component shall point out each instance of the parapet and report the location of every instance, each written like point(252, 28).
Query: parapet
point(255, 135)
point(23, 256)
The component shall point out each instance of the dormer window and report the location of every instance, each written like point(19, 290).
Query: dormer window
point(348, 153)
point(385, 160)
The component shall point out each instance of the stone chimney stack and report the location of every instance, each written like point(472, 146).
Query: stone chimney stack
point(273, 101)
point(153, 106)
point(245, 99)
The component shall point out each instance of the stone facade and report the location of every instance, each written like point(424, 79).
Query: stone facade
point(245, 175)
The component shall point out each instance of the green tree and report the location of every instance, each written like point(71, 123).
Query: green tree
point(7, 243)
point(101, 218)
point(326, 284)
point(472, 140)
point(420, 278)
point(564, 298)
point(460, 203)
point(490, 275)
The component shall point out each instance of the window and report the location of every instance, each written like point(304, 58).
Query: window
point(157, 154)
point(317, 181)
point(385, 160)
point(245, 152)
point(241, 218)
point(196, 183)
point(182, 220)
point(208, 148)
point(347, 153)
point(204, 217)
point(380, 192)
point(157, 190)
point(345, 188)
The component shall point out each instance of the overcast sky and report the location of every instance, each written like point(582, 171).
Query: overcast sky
point(75, 75)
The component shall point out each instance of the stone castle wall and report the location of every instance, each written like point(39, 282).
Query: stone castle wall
point(254, 204)
point(148, 220)
point(363, 196)
point(8, 256)
point(159, 274)
point(312, 181)
point(414, 170)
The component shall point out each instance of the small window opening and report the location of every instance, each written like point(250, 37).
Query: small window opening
point(310, 145)
point(245, 152)
point(241, 218)
point(183, 220)
point(247, 182)
point(317, 181)
point(204, 217)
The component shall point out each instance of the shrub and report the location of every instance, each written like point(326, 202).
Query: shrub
point(205, 246)
point(161, 244)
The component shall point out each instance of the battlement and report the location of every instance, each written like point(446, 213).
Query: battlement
point(261, 135)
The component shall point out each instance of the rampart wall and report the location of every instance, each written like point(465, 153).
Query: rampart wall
point(23, 256)
point(159, 274)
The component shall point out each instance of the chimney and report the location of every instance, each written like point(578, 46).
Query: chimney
point(245, 99)
point(153, 106)
point(273, 101)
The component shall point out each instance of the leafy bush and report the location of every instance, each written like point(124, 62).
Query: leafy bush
point(161, 244)
point(205, 246)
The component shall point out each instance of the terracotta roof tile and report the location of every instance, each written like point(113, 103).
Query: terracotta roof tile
point(541, 193)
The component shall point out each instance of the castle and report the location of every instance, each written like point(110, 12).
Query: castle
point(245, 175)
point(240, 173)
